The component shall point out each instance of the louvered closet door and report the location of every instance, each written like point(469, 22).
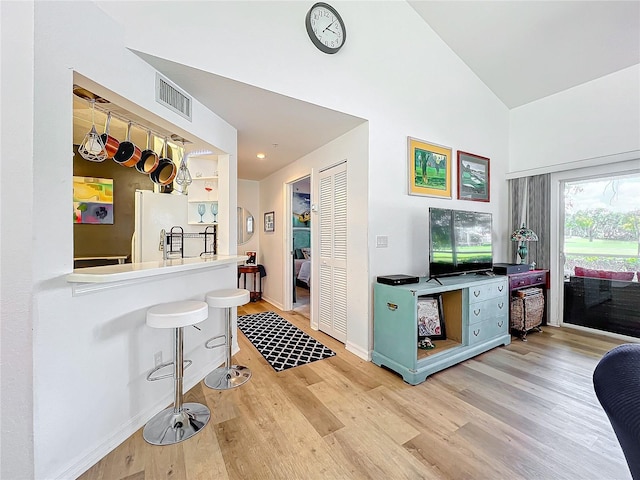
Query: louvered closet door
point(332, 269)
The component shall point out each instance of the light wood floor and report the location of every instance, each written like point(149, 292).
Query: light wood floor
point(526, 411)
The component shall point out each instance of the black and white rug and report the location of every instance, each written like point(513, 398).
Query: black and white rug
point(282, 344)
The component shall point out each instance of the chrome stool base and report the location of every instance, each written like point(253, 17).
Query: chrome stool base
point(169, 427)
point(224, 378)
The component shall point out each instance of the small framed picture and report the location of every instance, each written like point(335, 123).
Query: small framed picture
point(269, 222)
point(431, 317)
point(473, 177)
point(253, 258)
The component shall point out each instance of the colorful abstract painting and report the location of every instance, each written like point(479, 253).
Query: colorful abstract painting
point(92, 200)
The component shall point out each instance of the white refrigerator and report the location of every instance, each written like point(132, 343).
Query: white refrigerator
point(155, 212)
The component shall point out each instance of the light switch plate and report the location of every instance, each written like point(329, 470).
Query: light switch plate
point(382, 241)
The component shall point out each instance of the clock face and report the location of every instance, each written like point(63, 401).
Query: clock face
point(325, 28)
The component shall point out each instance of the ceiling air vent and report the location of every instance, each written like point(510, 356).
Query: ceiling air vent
point(169, 95)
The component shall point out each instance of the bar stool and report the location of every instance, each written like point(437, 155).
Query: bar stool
point(182, 420)
point(229, 376)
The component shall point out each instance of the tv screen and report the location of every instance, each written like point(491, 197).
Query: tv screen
point(459, 242)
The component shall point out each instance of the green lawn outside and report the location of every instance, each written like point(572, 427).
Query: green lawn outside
point(614, 255)
point(582, 246)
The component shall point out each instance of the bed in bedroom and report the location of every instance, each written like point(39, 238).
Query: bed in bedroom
point(302, 267)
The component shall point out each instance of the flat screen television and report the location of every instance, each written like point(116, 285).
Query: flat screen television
point(459, 242)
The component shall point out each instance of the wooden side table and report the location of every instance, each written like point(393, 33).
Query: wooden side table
point(256, 293)
point(532, 278)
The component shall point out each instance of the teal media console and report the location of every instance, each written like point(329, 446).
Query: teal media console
point(476, 319)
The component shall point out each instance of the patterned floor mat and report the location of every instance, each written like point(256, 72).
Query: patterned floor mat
point(282, 344)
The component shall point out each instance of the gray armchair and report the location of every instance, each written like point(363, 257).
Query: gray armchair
point(616, 381)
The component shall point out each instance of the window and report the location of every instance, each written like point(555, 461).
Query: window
point(602, 226)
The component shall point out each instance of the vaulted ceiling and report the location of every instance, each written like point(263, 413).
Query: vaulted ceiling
point(527, 50)
point(522, 50)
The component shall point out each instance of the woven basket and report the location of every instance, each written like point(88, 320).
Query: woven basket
point(527, 308)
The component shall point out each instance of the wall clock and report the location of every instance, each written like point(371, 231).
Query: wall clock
point(325, 28)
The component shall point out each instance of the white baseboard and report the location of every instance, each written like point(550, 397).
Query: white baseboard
point(86, 460)
point(358, 351)
point(278, 305)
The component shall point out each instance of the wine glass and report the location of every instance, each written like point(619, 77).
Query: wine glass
point(214, 211)
point(201, 210)
point(208, 186)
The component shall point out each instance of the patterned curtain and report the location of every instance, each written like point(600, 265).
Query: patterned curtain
point(530, 204)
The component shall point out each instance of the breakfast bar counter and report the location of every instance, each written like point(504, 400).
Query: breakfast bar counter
point(89, 279)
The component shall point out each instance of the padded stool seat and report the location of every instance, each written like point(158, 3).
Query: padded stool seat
point(177, 314)
point(229, 376)
point(181, 421)
point(232, 297)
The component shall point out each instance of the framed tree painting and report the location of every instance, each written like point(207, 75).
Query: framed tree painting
point(473, 177)
point(429, 169)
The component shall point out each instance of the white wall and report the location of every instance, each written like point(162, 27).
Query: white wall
point(352, 147)
point(578, 127)
point(90, 353)
point(413, 86)
point(595, 125)
point(16, 239)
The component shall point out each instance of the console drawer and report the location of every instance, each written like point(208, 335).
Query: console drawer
point(480, 293)
point(493, 327)
point(520, 280)
point(481, 311)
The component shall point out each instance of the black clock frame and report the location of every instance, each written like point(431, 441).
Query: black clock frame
point(321, 46)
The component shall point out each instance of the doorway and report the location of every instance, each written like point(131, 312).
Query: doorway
point(300, 201)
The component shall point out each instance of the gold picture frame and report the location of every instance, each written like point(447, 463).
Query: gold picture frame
point(429, 168)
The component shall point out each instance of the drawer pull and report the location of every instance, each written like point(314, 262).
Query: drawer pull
point(500, 323)
point(476, 312)
point(476, 293)
point(500, 288)
point(521, 282)
point(392, 306)
point(538, 279)
point(501, 305)
point(476, 332)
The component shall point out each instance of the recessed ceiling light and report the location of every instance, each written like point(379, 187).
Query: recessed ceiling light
point(261, 156)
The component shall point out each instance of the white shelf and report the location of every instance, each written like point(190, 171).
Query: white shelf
point(203, 171)
point(194, 200)
point(193, 217)
point(197, 192)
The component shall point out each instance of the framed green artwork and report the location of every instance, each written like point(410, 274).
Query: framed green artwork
point(429, 169)
point(473, 177)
